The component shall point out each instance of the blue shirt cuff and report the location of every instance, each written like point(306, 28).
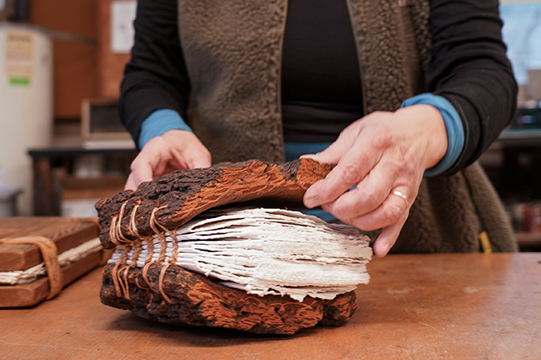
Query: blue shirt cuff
point(453, 124)
point(295, 150)
point(158, 123)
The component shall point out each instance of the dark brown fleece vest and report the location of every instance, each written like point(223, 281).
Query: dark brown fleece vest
point(233, 49)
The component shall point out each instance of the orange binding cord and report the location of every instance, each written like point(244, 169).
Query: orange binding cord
point(154, 223)
point(172, 261)
point(161, 259)
point(138, 243)
point(133, 227)
point(139, 283)
point(163, 247)
point(174, 254)
point(112, 231)
point(114, 276)
point(119, 232)
point(160, 283)
point(161, 235)
point(123, 272)
point(49, 253)
point(137, 249)
point(120, 287)
point(123, 275)
point(123, 279)
point(115, 229)
point(135, 258)
point(150, 246)
point(148, 261)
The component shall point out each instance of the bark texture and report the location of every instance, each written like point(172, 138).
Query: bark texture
point(172, 295)
point(179, 196)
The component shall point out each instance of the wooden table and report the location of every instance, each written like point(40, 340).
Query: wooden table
point(445, 306)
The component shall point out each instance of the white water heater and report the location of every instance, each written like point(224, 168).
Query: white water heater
point(26, 105)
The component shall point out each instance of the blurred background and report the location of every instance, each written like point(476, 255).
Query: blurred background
point(61, 143)
point(62, 146)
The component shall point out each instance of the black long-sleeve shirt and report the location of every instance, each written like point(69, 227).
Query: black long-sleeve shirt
point(321, 91)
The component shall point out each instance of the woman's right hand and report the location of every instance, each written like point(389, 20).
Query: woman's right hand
point(174, 150)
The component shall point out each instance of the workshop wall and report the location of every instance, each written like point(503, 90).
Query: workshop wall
point(75, 64)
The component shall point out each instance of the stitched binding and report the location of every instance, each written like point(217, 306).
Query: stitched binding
point(133, 227)
point(121, 288)
point(150, 245)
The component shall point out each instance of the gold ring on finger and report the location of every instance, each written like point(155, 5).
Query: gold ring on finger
point(404, 197)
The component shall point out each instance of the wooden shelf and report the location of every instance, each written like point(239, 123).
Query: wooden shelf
point(44, 184)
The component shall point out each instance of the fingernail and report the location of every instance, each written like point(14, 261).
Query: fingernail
point(310, 202)
point(383, 249)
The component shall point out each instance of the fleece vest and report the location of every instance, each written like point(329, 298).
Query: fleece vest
point(232, 50)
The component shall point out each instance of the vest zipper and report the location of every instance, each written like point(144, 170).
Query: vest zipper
point(281, 52)
point(359, 46)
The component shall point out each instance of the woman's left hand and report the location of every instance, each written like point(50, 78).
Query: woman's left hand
point(380, 153)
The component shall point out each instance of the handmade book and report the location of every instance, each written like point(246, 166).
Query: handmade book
point(41, 255)
point(203, 247)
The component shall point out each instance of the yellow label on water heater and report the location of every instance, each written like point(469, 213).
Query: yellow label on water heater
point(19, 57)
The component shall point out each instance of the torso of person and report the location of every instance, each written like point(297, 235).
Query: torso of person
point(321, 82)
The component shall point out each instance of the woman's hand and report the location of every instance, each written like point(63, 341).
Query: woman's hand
point(174, 150)
point(380, 153)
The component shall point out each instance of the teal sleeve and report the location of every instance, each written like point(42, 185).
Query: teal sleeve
point(159, 122)
point(453, 124)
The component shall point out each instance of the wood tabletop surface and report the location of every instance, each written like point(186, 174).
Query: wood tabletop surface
point(441, 306)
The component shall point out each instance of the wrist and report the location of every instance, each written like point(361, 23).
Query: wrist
point(160, 122)
point(453, 126)
point(426, 124)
